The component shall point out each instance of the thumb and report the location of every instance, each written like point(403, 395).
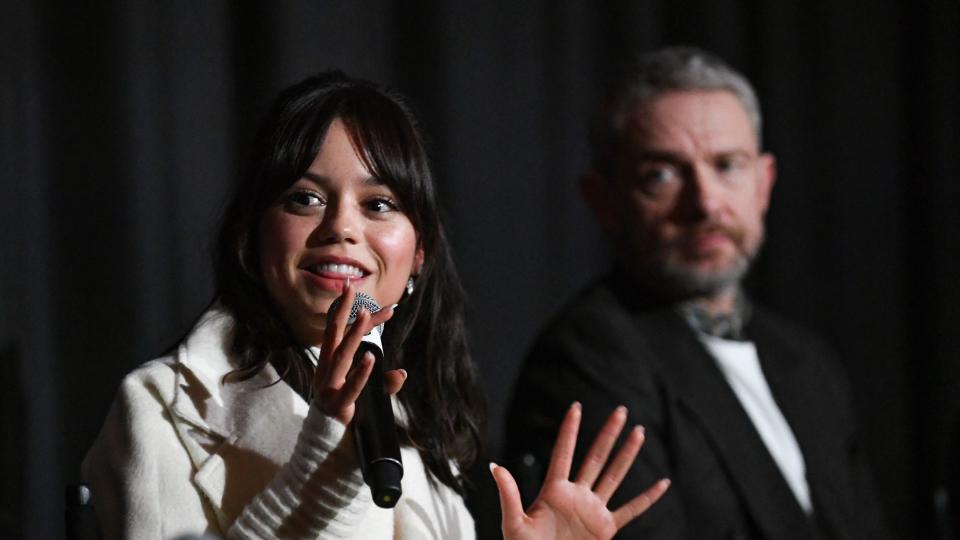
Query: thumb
point(511, 507)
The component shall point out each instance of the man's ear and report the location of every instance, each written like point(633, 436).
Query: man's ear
point(595, 189)
point(766, 176)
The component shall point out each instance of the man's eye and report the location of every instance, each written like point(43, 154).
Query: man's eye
point(730, 164)
point(658, 179)
point(659, 175)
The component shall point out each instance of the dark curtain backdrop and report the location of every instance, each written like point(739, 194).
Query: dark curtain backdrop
point(123, 124)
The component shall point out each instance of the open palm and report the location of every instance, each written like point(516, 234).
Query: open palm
point(577, 509)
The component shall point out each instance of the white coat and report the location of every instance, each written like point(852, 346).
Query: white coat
point(183, 453)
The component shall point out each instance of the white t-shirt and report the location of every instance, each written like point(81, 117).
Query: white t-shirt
point(740, 365)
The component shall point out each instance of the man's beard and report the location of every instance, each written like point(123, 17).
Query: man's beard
point(671, 277)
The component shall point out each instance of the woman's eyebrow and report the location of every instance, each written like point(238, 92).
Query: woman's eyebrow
point(318, 179)
point(372, 180)
point(321, 180)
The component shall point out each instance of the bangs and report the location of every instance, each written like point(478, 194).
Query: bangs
point(381, 130)
point(389, 147)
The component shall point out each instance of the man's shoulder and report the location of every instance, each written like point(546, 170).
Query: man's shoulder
point(594, 320)
point(600, 328)
point(782, 341)
point(772, 326)
point(593, 303)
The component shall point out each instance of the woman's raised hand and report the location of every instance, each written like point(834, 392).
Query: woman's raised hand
point(337, 382)
point(577, 509)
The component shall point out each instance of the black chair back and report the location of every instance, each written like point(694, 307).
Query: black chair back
point(81, 523)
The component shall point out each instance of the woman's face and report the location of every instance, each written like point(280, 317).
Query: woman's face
point(335, 223)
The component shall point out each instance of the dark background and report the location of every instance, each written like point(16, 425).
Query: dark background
point(122, 125)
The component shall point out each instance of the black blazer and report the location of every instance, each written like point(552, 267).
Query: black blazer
point(610, 347)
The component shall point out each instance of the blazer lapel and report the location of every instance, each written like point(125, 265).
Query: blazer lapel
point(702, 388)
point(238, 433)
point(264, 419)
point(795, 386)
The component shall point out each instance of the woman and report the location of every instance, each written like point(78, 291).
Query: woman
point(241, 431)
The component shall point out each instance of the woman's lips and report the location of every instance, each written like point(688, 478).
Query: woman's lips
point(330, 280)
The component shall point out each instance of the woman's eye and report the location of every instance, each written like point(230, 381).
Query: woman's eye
point(304, 199)
point(382, 204)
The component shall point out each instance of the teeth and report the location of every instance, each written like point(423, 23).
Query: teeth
point(344, 269)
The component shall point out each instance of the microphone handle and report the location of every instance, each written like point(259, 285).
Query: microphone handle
point(375, 434)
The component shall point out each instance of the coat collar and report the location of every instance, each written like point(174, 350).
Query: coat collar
point(800, 389)
point(238, 433)
point(226, 408)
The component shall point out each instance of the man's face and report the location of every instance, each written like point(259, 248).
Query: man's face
point(686, 196)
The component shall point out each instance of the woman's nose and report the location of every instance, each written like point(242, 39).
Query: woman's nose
point(340, 224)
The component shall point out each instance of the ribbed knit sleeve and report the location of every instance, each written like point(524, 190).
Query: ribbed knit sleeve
point(319, 493)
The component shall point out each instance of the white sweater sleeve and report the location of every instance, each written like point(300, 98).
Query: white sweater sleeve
point(319, 493)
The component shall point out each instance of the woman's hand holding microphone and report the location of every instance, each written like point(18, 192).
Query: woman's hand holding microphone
point(564, 509)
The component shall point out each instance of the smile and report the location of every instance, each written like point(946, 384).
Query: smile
point(344, 270)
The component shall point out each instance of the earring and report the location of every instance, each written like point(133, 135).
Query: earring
point(409, 285)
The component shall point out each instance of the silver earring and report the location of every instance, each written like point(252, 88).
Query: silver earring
point(409, 285)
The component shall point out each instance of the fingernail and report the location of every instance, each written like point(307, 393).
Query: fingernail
point(641, 429)
point(576, 405)
point(393, 307)
point(347, 284)
point(621, 409)
point(493, 466)
point(403, 372)
point(666, 482)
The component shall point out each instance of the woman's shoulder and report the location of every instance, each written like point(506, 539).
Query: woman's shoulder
point(154, 370)
point(145, 390)
point(206, 344)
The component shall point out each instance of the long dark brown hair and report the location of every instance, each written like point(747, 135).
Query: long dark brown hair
point(426, 336)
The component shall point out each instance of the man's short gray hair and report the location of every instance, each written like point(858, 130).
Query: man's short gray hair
point(671, 69)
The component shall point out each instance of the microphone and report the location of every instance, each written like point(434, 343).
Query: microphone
point(374, 428)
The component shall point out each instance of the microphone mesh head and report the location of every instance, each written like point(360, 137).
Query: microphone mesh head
point(362, 300)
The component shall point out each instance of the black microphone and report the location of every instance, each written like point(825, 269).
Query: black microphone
point(374, 428)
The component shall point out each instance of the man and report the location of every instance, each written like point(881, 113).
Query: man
point(746, 413)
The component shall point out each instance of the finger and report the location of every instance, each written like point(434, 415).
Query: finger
point(596, 458)
point(342, 315)
point(343, 356)
point(618, 468)
point(336, 324)
point(393, 380)
point(381, 316)
point(639, 504)
point(566, 442)
point(511, 507)
point(355, 381)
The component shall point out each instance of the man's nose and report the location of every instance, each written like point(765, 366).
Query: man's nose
point(701, 195)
